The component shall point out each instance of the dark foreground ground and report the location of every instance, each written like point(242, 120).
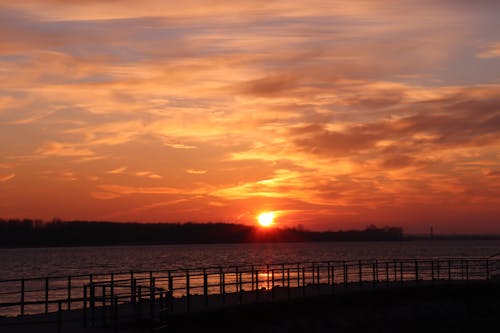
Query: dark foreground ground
point(466, 308)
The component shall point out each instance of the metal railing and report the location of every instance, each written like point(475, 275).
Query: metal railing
point(108, 304)
point(196, 289)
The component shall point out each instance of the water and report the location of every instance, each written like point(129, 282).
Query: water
point(39, 262)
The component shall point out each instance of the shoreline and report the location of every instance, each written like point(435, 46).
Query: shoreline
point(405, 240)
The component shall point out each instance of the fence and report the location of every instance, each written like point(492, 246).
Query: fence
point(196, 289)
point(20, 297)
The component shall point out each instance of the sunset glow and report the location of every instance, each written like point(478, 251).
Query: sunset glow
point(337, 114)
point(266, 219)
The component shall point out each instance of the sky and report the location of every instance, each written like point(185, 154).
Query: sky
point(332, 114)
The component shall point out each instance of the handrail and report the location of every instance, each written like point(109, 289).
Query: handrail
point(21, 294)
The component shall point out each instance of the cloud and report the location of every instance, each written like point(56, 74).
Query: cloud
point(117, 171)
point(104, 195)
point(128, 190)
point(7, 177)
point(179, 146)
point(6, 166)
point(63, 150)
point(492, 51)
point(457, 119)
point(148, 174)
point(196, 172)
point(326, 109)
point(495, 173)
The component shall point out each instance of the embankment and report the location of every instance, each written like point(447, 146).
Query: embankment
point(453, 308)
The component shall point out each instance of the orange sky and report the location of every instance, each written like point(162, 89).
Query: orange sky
point(334, 114)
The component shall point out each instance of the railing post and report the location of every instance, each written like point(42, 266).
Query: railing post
point(401, 273)
point(164, 311)
point(22, 297)
point(236, 277)
point(170, 292)
point(103, 303)
point(256, 284)
point(432, 270)
point(152, 294)
point(92, 304)
point(160, 307)
point(333, 278)
point(298, 275)
point(449, 270)
point(115, 314)
point(46, 295)
point(345, 274)
point(416, 271)
point(333, 274)
point(318, 279)
point(240, 279)
point(466, 269)
point(272, 284)
point(85, 306)
point(112, 288)
point(438, 269)
point(303, 281)
point(288, 282)
point(205, 286)
point(188, 291)
point(69, 293)
point(283, 275)
point(487, 269)
point(138, 303)
point(59, 316)
point(223, 286)
point(329, 276)
point(267, 274)
point(374, 280)
point(133, 291)
point(151, 279)
point(252, 277)
point(387, 272)
point(360, 272)
point(241, 288)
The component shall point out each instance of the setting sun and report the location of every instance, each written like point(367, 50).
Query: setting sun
point(266, 219)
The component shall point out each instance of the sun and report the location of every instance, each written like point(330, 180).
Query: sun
point(266, 219)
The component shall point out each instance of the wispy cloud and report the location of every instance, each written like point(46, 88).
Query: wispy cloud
point(148, 174)
point(63, 150)
point(196, 172)
point(118, 171)
point(491, 51)
point(127, 190)
point(4, 178)
point(179, 145)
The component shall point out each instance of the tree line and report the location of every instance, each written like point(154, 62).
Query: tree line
point(36, 233)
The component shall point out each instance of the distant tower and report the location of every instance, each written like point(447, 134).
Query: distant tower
point(431, 234)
